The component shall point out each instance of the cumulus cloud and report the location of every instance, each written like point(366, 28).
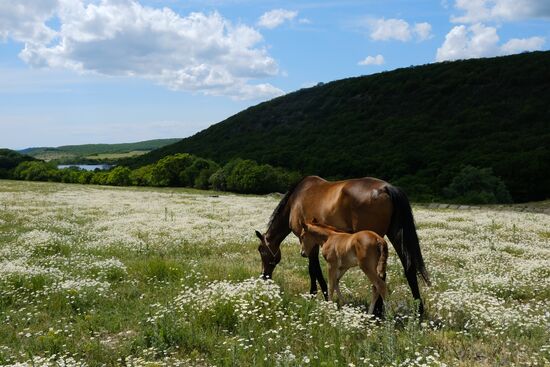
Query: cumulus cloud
point(478, 40)
point(199, 52)
point(517, 45)
point(387, 29)
point(372, 60)
point(25, 20)
point(274, 18)
point(474, 11)
point(423, 31)
point(398, 29)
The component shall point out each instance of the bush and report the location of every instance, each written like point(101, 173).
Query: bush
point(167, 171)
point(198, 173)
point(247, 176)
point(36, 171)
point(477, 186)
point(118, 176)
point(142, 176)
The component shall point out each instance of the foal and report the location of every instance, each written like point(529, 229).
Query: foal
point(343, 250)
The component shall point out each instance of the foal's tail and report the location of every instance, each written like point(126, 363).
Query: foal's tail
point(403, 233)
point(382, 258)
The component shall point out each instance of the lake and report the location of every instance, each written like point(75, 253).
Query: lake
point(87, 167)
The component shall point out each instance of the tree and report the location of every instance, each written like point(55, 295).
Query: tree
point(142, 176)
point(36, 171)
point(118, 176)
point(166, 172)
point(474, 185)
point(198, 173)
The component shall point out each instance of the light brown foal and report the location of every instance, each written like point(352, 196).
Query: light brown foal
point(342, 251)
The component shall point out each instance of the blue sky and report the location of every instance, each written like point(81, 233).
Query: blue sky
point(111, 71)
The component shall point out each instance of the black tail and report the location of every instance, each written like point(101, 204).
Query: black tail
point(402, 229)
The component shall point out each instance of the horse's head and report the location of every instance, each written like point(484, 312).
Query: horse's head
point(271, 256)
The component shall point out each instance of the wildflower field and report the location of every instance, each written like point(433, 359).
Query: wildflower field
point(135, 276)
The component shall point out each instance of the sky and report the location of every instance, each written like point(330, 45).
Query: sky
point(115, 71)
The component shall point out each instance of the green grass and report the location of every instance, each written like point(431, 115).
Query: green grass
point(133, 153)
point(177, 289)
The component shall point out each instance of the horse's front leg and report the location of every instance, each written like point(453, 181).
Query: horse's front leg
point(316, 274)
point(312, 276)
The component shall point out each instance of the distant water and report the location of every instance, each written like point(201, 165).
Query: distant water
point(87, 167)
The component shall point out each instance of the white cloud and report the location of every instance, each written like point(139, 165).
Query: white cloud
point(199, 52)
point(474, 11)
point(276, 17)
point(398, 29)
point(372, 60)
point(517, 45)
point(25, 20)
point(387, 29)
point(423, 31)
point(478, 40)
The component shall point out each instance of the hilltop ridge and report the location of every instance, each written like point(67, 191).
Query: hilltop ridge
point(415, 127)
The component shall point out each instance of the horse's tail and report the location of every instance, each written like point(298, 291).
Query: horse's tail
point(403, 231)
point(382, 258)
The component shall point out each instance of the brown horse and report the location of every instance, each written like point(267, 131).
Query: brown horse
point(351, 206)
point(343, 251)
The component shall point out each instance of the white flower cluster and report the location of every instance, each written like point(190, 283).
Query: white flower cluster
point(251, 299)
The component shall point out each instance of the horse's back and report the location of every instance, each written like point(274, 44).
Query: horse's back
point(350, 205)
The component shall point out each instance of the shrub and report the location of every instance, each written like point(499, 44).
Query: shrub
point(118, 176)
point(142, 176)
point(36, 171)
point(475, 185)
point(247, 176)
point(167, 171)
point(198, 173)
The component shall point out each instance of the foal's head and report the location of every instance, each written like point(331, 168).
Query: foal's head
point(271, 256)
point(311, 236)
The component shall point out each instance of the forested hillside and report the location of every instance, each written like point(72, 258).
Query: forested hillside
point(416, 127)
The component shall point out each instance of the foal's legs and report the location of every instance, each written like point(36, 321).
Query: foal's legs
point(339, 275)
point(332, 281)
point(379, 288)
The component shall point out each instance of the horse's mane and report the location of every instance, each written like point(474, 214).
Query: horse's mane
point(281, 206)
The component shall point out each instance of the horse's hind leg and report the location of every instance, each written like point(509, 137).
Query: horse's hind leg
point(316, 274)
point(410, 273)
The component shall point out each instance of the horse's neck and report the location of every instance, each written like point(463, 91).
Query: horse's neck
point(278, 230)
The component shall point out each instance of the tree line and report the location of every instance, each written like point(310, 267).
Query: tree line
point(178, 170)
point(472, 185)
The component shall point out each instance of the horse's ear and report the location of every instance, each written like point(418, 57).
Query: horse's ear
point(259, 235)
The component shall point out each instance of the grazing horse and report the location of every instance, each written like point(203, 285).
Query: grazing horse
point(351, 206)
point(343, 251)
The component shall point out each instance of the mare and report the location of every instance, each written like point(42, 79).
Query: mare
point(351, 206)
point(343, 251)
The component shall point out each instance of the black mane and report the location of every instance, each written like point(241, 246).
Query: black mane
point(280, 207)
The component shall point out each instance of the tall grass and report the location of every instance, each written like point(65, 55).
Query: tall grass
point(100, 276)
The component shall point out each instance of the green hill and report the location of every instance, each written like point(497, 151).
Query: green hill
point(416, 127)
point(96, 151)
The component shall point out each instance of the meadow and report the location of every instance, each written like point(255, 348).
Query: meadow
point(95, 275)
